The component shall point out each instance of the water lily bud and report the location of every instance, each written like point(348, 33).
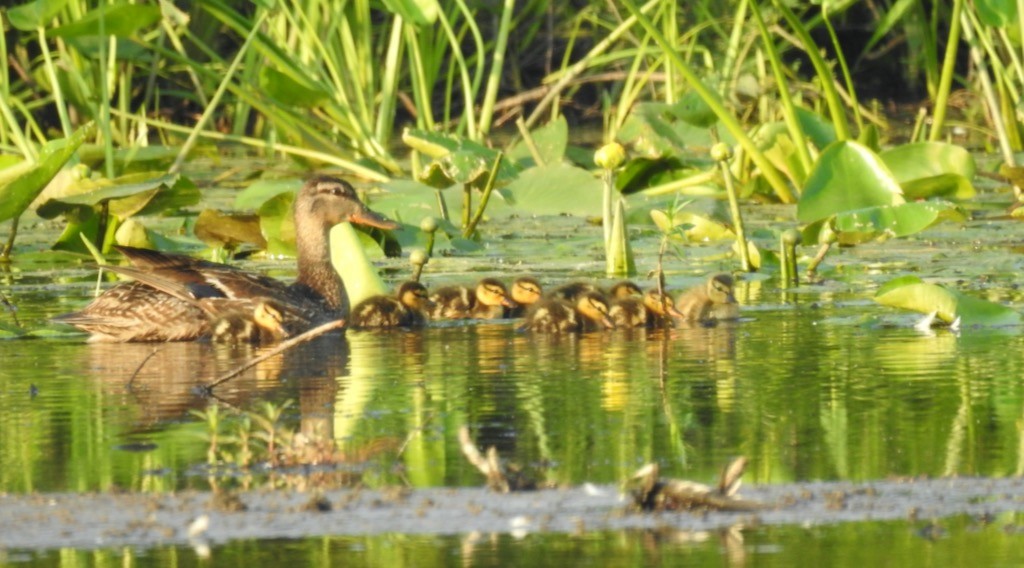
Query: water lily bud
point(610, 156)
point(791, 237)
point(418, 257)
point(428, 225)
point(721, 152)
point(80, 172)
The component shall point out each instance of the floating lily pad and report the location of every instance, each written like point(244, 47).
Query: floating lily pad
point(557, 189)
point(895, 220)
point(912, 293)
point(551, 141)
point(133, 194)
point(229, 230)
point(932, 169)
point(847, 177)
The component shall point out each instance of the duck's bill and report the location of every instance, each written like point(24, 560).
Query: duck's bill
point(372, 219)
point(607, 322)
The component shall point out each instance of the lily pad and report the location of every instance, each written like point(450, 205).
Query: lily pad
point(847, 177)
point(912, 293)
point(33, 15)
point(557, 189)
point(119, 20)
point(18, 194)
point(894, 220)
point(254, 196)
point(350, 260)
point(551, 140)
point(133, 194)
point(229, 230)
point(930, 169)
point(288, 89)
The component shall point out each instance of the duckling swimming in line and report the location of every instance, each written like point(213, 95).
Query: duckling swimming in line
point(653, 310)
point(553, 315)
point(407, 308)
point(263, 324)
point(487, 300)
point(712, 301)
point(525, 292)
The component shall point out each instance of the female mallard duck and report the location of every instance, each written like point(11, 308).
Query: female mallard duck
point(487, 300)
point(712, 301)
point(553, 315)
point(161, 304)
point(407, 308)
point(263, 324)
point(652, 310)
point(525, 292)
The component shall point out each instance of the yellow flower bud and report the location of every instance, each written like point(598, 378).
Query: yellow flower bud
point(721, 152)
point(428, 225)
point(610, 156)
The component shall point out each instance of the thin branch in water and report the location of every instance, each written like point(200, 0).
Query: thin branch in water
point(284, 346)
point(11, 308)
point(128, 385)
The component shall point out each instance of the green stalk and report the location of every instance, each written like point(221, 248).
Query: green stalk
point(488, 189)
point(104, 111)
point(969, 27)
point(193, 136)
point(789, 109)
point(51, 74)
point(847, 78)
point(948, 68)
point(531, 145)
point(721, 154)
point(729, 121)
point(497, 65)
point(469, 95)
point(828, 87)
point(389, 83)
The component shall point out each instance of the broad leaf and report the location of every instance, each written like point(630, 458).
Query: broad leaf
point(911, 293)
point(929, 169)
point(254, 196)
point(228, 230)
point(895, 220)
point(18, 194)
point(349, 259)
point(821, 132)
point(32, 15)
point(557, 189)
point(121, 21)
point(418, 12)
point(289, 90)
point(846, 177)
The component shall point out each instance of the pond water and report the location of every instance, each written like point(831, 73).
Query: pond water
point(815, 383)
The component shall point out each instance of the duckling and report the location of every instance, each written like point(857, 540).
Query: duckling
point(652, 310)
point(572, 291)
point(553, 315)
point(709, 302)
point(487, 301)
point(525, 292)
point(407, 308)
point(624, 289)
point(264, 324)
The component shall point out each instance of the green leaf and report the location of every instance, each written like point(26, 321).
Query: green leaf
point(349, 259)
point(820, 131)
point(929, 169)
point(846, 177)
point(433, 144)
point(911, 293)
point(417, 12)
point(254, 196)
point(557, 189)
point(552, 139)
point(132, 194)
point(18, 194)
point(895, 220)
point(278, 224)
point(121, 21)
point(289, 90)
point(28, 17)
point(228, 230)
point(996, 13)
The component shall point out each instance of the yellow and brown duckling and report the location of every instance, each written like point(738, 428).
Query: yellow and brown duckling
point(407, 308)
point(161, 303)
point(487, 300)
point(711, 301)
point(573, 291)
point(653, 310)
point(553, 315)
point(525, 291)
point(263, 324)
point(624, 289)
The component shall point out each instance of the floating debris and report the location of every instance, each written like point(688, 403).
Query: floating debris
point(502, 478)
point(651, 493)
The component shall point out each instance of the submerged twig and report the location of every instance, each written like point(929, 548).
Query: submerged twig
point(651, 493)
point(500, 478)
point(11, 308)
point(135, 374)
point(284, 346)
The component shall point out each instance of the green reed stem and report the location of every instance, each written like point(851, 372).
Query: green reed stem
point(948, 69)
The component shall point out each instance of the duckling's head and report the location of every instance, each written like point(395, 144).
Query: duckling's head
point(624, 289)
point(268, 317)
point(491, 292)
point(661, 303)
point(234, 328)
point(414, 295)
point(526, 290)
point(720, 289)
point(325, 201)
point(594, 307)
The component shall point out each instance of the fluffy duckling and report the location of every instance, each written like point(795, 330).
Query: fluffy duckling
point(652, 310)
point(407, 308)
point(624, 289)
point(487, 300)
point(264, 324)
point(525, 292)
point(572, 291)
point(709, 302)
point(553, 315)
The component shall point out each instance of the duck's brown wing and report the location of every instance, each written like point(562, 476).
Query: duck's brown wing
point(134, 311)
